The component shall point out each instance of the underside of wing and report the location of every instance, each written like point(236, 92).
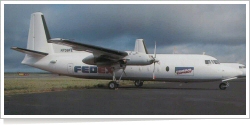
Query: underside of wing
point(96, 50)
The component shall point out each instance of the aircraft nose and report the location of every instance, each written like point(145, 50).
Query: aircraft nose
point(232, 72)
point(239, 73)
point(243, 73)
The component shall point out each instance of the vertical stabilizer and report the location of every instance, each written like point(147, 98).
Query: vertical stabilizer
point(140, 46)
point(38, 33)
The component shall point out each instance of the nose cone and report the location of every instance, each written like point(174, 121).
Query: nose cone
point(239, 73)
point(243, 73)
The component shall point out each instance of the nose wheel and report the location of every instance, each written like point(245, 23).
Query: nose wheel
point(223, 85)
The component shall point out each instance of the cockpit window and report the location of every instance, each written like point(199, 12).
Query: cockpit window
point(212, 62)
point(207, 62)
point(216, 62)
point(242, 67)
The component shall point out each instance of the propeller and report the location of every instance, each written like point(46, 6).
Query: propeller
point(154, 61)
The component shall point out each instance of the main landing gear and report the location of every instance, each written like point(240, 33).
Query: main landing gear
point(115, 83)
point(224, 85)
point(138, 83)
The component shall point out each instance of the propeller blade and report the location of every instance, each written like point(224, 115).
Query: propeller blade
point(154, 71)
point(154, 60)
point(155, 50)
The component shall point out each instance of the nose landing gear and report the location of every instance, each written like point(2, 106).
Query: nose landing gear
point(223, 85)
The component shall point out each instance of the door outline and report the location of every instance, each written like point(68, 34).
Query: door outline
point(70, 68)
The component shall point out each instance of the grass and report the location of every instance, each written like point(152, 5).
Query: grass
point(37, 83)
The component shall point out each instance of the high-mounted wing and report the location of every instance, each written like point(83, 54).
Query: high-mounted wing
point(96, 50)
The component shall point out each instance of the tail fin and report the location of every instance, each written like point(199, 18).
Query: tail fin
point(140, 46)
point(38, 34)
point(37, 46)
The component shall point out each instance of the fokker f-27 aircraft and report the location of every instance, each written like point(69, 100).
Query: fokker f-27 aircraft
point(66, 57)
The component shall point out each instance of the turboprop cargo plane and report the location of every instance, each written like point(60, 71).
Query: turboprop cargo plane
point(66, 57)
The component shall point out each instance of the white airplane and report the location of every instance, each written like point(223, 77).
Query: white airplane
point(66, 57)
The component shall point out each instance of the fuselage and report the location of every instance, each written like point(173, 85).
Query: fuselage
point(77, 59)
point(171, 67)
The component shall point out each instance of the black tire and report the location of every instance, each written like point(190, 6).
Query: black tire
point(112, 85)
point(223, 86)
point(138, 83)
point(141, 84)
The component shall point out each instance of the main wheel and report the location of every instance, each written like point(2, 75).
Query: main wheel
point(223, 86)
point(112, 85)
point(141, 84)
point(138, 83)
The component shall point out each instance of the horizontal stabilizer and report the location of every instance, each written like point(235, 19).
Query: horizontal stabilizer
point(29, 52)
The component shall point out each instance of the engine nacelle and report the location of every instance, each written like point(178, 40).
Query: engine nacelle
point(137, 58)
point(133, 58)
point(92, 60)
point(89, 60)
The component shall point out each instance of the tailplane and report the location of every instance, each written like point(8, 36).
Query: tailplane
point(30, 52)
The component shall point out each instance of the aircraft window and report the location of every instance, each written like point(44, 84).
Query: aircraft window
point(212, 61)
point(167, 68)
point(216, 62)
point(242, 67)
point(207, 62)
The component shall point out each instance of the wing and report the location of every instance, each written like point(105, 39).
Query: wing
point(96, 50)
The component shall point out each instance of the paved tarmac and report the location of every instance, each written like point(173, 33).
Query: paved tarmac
point(151, 99)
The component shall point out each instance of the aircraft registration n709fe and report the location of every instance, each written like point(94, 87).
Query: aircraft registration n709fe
point(66, 57)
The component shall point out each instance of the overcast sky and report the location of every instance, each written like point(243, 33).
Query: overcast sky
point(218, 30)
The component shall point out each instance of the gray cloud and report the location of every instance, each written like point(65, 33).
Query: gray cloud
point(219, 30)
